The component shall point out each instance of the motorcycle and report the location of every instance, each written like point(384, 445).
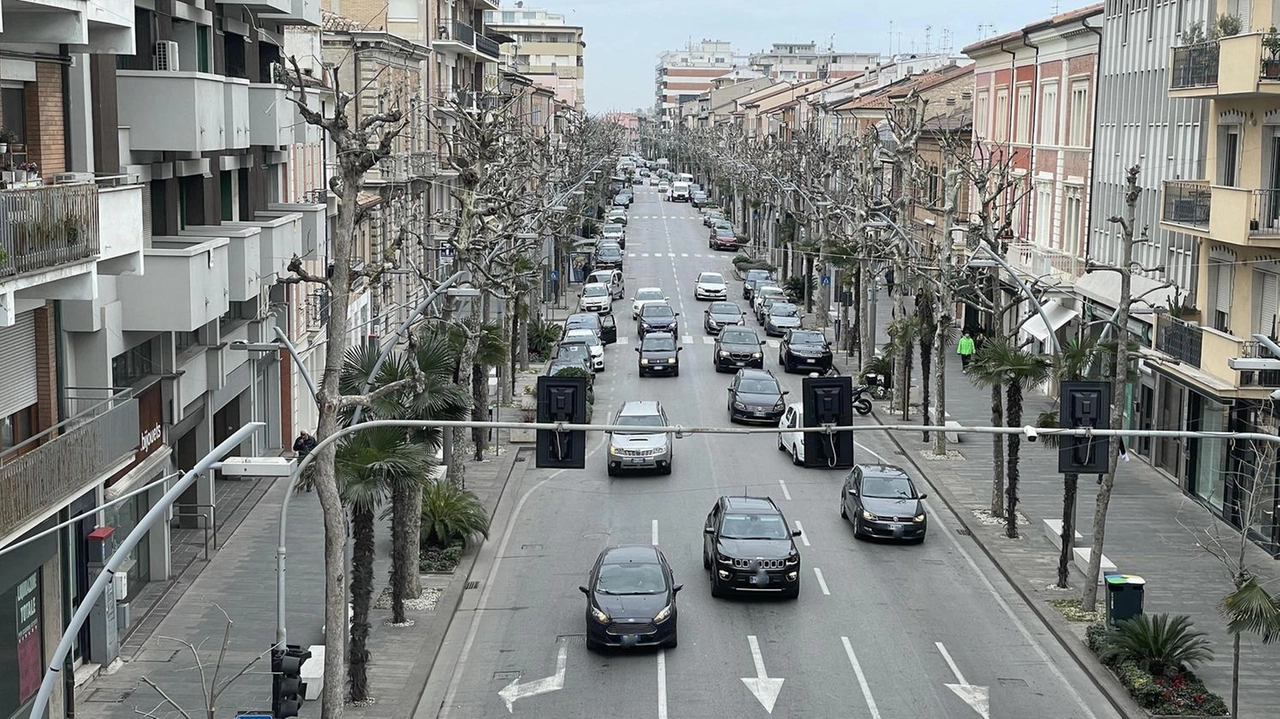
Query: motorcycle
point(861, 404)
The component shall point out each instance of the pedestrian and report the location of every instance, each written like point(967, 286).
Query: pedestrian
point(964, 348)
point(888, 281)
point(302, 447)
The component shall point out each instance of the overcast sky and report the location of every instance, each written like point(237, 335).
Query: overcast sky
point(624, 37)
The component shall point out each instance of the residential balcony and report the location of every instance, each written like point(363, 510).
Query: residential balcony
point(244, 257)
point(189, 273)
point(460, 38)
point(95, 26)
point(279, 239)
point(1236, 66)
point(300, 12)
point(183, 111)
point(261, 6)
point(312, 229)
point(1044, 263)
point(1203, 357)
point(273, 118)
point(44, 473)
point(1185, 206)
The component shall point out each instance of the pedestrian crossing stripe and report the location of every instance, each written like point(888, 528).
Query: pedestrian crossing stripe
point(687, 339)
point(646, 254)
point(624, 340)
point(708, 340)
point(773, 343)
point(671, 254)
point(684, 254)
point(632, 255)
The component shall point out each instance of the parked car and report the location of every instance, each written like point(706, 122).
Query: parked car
point(595, 297)
point(637, 180)
point(737, 347)
point(631, 599)
point(614, 234)
point(644, 295)
point(624, 198)
point(720, 315)
point(612, 278)
point(709, 218)
point(748, 282)
point(780, 317)
point(881, 501)
point(756, 396)
point(659, 354)
point(710, 286)
point(609, 256)
point(762, 293)
point(658, 317)
point(722, 238)
point(748, 545)
point(718, 224)
point(576, 351)
point(792, 442)
point(617, 216)
point(698, 199)
point(592, 341)
point(807, 350)
point(664, 187)
point(640, 448)
point(603, 325)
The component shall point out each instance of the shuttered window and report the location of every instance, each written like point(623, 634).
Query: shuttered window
point(1267, 291)
point(1222, 296)
point(18, 365)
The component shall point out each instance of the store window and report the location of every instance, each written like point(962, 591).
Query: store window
point(124, 518)
point(13, 110)
point(21, 643)
point(1211, 460)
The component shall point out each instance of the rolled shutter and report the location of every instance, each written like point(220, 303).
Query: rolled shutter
point(18, 365)
point(1268, 301)
point(1222, 301)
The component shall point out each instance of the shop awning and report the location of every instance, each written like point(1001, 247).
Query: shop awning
point(1057, 316)
point(1104, 288)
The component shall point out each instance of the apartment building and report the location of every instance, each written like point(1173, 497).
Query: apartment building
point(682, 75)
point(144, 156)
point(545, 48)
point(1037, 89)
point(797, 62)
point(1210, 373)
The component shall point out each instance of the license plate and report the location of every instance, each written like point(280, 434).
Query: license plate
point(755, 579)
point(636, 460)
point(810, 361)
point(759, 414)
point(630, 638)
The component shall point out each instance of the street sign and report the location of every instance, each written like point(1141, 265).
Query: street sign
point(446, 248)
point(826, 280)
point(555, 274)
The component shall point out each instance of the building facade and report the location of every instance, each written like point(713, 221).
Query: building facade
point(547, 49)
point(796, 62)
point(682, 75)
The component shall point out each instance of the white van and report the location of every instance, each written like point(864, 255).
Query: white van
point(684, 177)
point(680, 192)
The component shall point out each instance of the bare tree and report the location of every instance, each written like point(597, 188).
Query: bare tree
point(904, 121)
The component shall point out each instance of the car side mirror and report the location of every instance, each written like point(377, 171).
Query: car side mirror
point(677, 587)
point(637, 350)
point(762, 343)
point(677, 314)
point(923, 497)
point(679, 349)
point(795, 533)
point(786, 392)
point(708, 530)
point(852, 492)
point(584, 590)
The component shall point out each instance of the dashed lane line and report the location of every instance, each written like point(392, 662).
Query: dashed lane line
point(804, 536)
point(822, 581)
point(785, 492)
point(862, 679)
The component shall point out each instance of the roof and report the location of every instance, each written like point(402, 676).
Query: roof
point(994, 43)
point(756, 373)
point(627, 553)
point(882, 98)
point(960, 119)
point(882, 470)
point(643, 407)
point(750, 504)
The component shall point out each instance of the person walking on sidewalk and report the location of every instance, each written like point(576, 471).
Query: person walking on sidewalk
point(302, 446)
point(964, 348)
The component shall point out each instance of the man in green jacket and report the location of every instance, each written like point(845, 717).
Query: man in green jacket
point(964, 348)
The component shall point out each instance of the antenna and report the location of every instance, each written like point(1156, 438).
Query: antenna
point(928, 39)
point(890, 38)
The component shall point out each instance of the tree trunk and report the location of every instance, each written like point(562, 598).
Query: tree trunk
point(997, 452)
point(940, 385)
point(479, 408)
point(1235, 676)
point(466, 370)
point(1014, 402)
point(928, 332)
point(401, 569)
point(413, 540)
point(1070, 482)
point(869, 282)
point(527, 305)
point(361, 594)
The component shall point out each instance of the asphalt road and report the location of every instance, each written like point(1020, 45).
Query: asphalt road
point(879, 630)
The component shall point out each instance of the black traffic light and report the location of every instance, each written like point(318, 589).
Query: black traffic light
point(288, 691)
point(1084, 404)
point(562, 399)
point(828, 401)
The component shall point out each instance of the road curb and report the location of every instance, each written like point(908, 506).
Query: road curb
point(1102, 678)
point(424, 666)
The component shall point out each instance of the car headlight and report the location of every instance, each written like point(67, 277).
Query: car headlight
point(723, 353)
point(868, 516)
point(671, 360)
point(757, 355)
point(918, 518)
point(663, 615)
point(599, 616)
point(723, 560)
point(738, 405)
point(644, 361)
point(779, 405)
point(614, 450)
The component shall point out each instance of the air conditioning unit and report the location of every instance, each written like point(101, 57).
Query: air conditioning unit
point(70, 178)
point(167, 56)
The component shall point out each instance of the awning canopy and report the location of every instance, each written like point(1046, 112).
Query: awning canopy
point(1104, 287)
point(1057, 316)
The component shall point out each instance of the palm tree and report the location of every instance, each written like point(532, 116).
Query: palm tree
point(902, 340)
point(451, 515)
point(1001, 362)
point(1248, 609)
point(368, 465)
point(490, 352)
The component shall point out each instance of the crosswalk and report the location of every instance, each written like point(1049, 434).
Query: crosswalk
point(698, 255)
point(624, 340)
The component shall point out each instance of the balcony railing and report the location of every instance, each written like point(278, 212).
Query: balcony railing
point(62, 462)
point(42, 227)
point(464, 33)
point(1265, 219)
point(1044, 262)
point(1250, 349)
point(315, 308)
point(1180, 339)
point(1186, 203)
point(487, 46)
point(1195, 65)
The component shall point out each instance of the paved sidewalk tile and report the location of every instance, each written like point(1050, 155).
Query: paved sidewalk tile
point(1151, 531)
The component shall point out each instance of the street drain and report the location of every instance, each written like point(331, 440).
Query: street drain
point(530, 546)
point(109, 696)
point(964, 532)
point(1012, 682)
point(932, 561)
point(473, 584)
point(505, 676)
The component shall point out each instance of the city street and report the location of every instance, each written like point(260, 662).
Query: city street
point(879, 630)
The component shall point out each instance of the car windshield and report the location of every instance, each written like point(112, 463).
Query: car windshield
point(753, 526)
point(577, 321)
point(609, 252)
point(631, 578)
point(658, 311)
point(714, 278)
point(808, 338)
point(613, 229)
point(570, 348)
point(887, 488)
point(639, 420)
point(595, 291)
point(725, 308)
point(783, 309)
point(659, 344)
point(739, 338)
point(649, 295)
point(724, 232)
point(758, 386)
point(586, 337)
point(602, 278)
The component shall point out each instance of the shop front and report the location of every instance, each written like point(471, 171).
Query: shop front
point(29, 619)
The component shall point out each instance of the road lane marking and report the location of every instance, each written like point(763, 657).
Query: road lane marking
point(632, 255)
point(624, 340)
point(977, 697)
point(671, 254)
point(515, 691)
point(645, 254)
point(708, 340)
point(662, 683)
point(804, 536)
point(764, 688)
point(822, 581)
point(655, 532)
point(946, 656)
point(785, 493)
point(862, 679)
point(687, 339)
point(773, 344)
point(683, 254)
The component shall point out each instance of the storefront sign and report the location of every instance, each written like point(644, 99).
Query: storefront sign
point(30, 662)
point(150, 421)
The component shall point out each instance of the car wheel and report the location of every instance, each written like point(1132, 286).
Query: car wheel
point(857, 528)
point(706, 561)
point(676, 373)
point(781, 447)
point(716, 590)
point(612, 472)
point(593, 645)
point(667, 469)
point(795, 458)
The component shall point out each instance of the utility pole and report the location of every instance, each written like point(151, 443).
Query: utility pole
point(1119, 382)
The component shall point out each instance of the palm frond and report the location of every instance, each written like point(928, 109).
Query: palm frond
point(1251, 610)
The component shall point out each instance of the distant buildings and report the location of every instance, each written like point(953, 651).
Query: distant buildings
point(546, 49)
point(682, 75)
point(804, 61)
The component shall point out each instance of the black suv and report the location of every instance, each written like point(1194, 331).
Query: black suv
point(609, 256)
point(805, 350)
point(748, 546)
point(738, 347)
point(657, 317)
point(749, 282)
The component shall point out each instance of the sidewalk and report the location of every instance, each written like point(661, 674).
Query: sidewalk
point(1149, 533)
point(240, 578)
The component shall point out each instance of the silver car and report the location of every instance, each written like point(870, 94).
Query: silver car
point(640, 449)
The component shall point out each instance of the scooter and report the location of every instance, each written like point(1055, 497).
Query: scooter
point(861, 404)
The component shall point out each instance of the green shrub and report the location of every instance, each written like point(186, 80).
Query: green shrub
point(1159, 643)
point(794, 287)
point(435, 559)
point(543, 335)
point(1179, 693)
point(451, 515)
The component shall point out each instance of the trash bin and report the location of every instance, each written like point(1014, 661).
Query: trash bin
point(1124, 596)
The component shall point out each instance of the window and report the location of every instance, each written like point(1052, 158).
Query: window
point(1221, 275)
point(982, 115)
point(1229, 152)
point(1049, 116)
point(132, 365)
point(13, 111)
point(1022, 131)
point(1072, 219)
point(1266, 292)
point(1079, 134)
point(1044, 214)
point(1002, 116)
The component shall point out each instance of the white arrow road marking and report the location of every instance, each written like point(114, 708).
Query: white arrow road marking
point(515, 690)
point(765, 689)
point(822, 581)
point(662, 684)
point(978, 698)
point(785, 493)
point(804, 536)
point(655, 532)
point(862, 679)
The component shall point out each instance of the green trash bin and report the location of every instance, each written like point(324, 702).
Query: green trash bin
point(1124, 596)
